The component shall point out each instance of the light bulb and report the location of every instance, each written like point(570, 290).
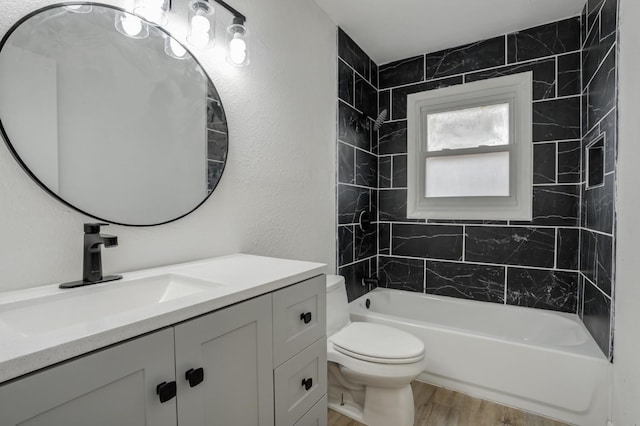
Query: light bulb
point(200, 27)
point(177, 48)
point(132, 25)
point(200, 24)
point(237, 49)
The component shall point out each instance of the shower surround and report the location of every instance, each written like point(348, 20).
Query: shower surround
point(562, 259)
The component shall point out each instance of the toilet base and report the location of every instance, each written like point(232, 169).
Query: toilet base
point(384, 406)
point(373, 406)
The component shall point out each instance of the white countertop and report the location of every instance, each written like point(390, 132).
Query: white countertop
point(236, 278)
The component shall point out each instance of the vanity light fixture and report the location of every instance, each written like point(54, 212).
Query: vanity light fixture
point(238, 54)
point(201, 32)
point(131, 26)
point(200, 28)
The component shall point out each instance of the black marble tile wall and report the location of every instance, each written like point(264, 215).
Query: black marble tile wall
point(353, 274)
point(561, 260)
point(470, 259)
point(597, 311)
point(401, 273)
point(544, 75)
point(463, 59)
point(599, 122)
point(357, 165)
point(546, 40)
point(536, 288)
point(466, 281)
point(401, 72)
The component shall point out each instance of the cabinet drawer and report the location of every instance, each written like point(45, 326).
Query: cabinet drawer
point(291, 379)
point(299, 317)
point(317, 416)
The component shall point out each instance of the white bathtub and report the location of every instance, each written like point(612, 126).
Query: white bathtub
point(539, 361)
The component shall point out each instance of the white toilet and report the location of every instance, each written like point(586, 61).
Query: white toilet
point(371, 365)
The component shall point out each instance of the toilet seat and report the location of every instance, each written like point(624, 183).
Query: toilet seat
point(378, 343)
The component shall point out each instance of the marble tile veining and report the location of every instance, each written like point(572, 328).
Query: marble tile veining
point(399, 94)
point(366, 169)
point(352, 200)
point(466, 281)
point(545, 40)
point(536, 288)
point(569, 74)
point(569, 157)
point(392, 138)
point(405, 71)
point(365, 242)
point(568, 245)
point(353, 127)
point(470, 57)
point(557, 119)
point(401, 274)
point(510, 246)
point(602, 89)
point(427, 241)
point(544, 76)
point(384, 172)
point(555, 205)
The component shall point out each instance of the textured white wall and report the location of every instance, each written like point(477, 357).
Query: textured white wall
point(626, 367)
point(277, 194)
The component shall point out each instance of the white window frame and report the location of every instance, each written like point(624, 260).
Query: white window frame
point(516, 90)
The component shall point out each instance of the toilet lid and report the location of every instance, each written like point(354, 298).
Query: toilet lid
point(378, 343)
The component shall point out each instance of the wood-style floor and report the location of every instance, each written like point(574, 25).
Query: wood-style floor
point(441, 407)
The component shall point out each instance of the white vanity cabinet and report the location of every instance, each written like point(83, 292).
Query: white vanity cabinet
point(221, 364)
point(115, 386)
point(300, 350)
point(233, 348)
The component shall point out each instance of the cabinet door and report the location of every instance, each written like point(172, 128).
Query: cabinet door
point(233, 348)
point(115, 386)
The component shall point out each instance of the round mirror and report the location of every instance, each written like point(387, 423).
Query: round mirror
point(110, 115)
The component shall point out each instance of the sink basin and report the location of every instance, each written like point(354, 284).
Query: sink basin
point(96, 304)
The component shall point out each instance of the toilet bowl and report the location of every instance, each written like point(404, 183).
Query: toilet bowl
point(371, 365)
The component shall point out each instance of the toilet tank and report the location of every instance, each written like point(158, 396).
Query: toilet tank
point(337, 304)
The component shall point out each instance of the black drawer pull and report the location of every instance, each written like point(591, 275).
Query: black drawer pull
point(307, 383)
point(194, 376)
point(306, 317)
point(166, 391)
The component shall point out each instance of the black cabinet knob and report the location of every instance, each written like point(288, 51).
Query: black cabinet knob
point(194, 376)
point(307, 383)
point(306, 317)
point(166, 391)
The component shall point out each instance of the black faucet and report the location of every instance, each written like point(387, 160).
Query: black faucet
point(92, 259)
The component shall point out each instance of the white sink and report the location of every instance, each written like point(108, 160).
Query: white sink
point(96, 303)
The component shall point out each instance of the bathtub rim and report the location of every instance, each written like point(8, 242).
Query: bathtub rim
point(587, 349)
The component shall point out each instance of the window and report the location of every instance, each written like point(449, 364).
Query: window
point(469, 151)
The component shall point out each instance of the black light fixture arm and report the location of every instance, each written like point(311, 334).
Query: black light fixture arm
point(241, 19)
